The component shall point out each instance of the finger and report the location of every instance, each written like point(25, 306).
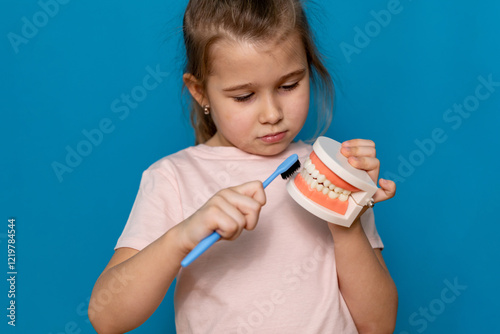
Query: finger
point(386, 191)
point(206, 220)
point(253, 189)
point(368, 164)
point(359, 151)
point(358, 142)
point(247, 206)
point(233, 209)
point(364, 163)
point(223, 217)
point(228, 228)
point(226, 204)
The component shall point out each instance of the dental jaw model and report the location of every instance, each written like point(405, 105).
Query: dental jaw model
point(329, 187)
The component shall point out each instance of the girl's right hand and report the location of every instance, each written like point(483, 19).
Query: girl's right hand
point(228, 212)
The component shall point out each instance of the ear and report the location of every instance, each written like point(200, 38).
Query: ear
point(195, 88)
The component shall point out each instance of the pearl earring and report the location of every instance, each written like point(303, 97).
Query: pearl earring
point(206, 109)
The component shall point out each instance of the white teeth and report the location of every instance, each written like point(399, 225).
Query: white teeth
point(343, 197)
point(333, 195)
point(319, 182)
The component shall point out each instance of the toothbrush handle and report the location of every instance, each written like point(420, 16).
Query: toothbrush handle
point(200, 248)
point(270, 179)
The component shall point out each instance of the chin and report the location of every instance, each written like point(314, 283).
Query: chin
point(274, 149)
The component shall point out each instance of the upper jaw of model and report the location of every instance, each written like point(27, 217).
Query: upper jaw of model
point(329, 187)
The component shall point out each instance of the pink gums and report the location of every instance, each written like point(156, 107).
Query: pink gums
point(318, 197)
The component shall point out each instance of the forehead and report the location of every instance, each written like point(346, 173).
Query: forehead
point(244, 60)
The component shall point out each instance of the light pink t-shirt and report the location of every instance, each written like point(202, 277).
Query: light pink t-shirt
point(279, 278)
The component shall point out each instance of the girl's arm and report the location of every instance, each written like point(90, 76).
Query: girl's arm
point(134, 283)
point(364, 280)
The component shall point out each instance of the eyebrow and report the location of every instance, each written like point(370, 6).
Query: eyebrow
point(283, 78)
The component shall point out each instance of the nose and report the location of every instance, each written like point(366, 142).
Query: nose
point(271, 111)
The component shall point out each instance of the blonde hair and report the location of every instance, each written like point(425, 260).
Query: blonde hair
point(208, 21)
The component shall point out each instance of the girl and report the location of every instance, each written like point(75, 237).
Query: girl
point(249, 68)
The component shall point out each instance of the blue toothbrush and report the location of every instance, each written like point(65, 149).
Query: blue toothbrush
point(287, 168)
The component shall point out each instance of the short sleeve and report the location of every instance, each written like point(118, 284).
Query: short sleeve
point(156, 209)
point(368, 223)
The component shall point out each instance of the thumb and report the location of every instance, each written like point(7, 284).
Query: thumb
point(386, 191)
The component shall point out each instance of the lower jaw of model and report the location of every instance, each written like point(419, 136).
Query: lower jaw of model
point(329, 187)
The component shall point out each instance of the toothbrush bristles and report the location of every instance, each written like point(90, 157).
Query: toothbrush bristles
point(290, 171)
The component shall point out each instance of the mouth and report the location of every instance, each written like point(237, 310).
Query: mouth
point(321, 185)
point(329, 187)
point(273, 137)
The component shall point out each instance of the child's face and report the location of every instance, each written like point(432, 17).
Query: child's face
point(258, 94)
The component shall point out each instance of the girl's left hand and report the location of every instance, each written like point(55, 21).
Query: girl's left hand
point(361, 154)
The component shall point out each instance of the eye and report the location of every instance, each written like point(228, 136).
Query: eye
point(290, 87)
point(243, 98)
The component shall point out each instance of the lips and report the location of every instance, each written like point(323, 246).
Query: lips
point(273, 137)
point(318, 183)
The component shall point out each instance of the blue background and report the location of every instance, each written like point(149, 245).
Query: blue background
point(396, 89)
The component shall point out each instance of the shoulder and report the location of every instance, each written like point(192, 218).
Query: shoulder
point(164, 172)
point(168, 164)
point(187, 162)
